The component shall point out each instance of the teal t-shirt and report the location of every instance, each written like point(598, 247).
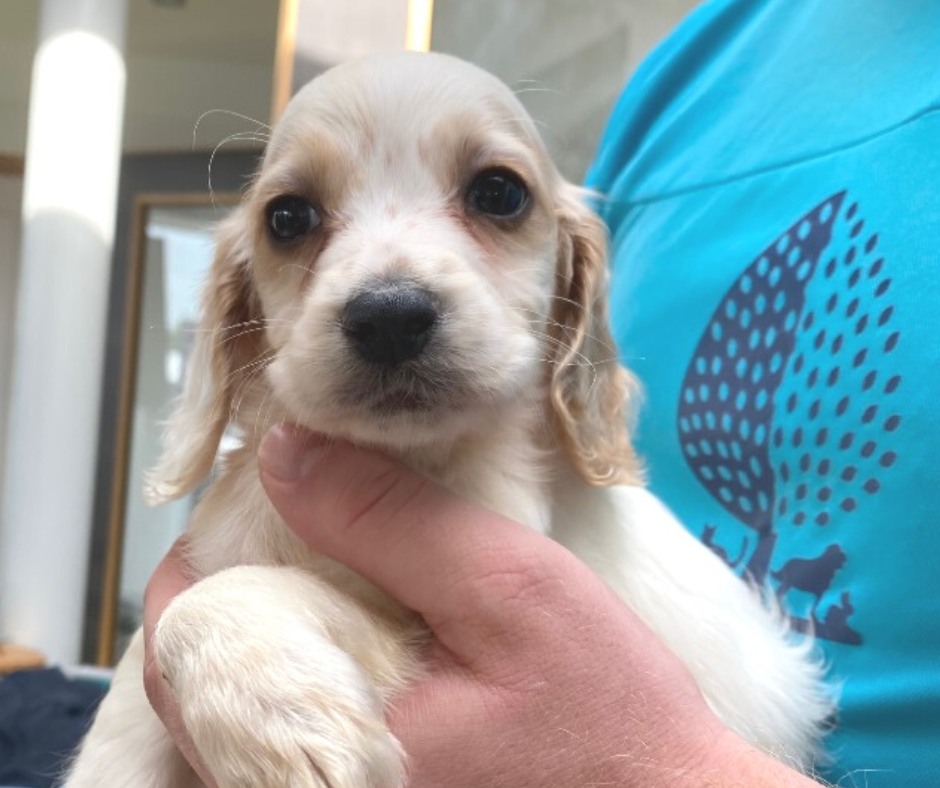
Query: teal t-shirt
point(771, 178)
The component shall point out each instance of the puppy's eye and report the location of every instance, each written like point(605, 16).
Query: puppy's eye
point(290, 217)
point(499, 193)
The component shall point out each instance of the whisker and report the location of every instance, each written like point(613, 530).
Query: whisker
point(549, 322)
point(262, 360)
point(250, 136)
point(305, 268)
point(537, 89)
point(231, 113)
point(243, 332)
point(193, 330)
point(257, 369)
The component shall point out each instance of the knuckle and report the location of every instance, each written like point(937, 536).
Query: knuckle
point(523, 580)
point(154, 684)
point(382, 498)
point(514, 600)
point(514, 578)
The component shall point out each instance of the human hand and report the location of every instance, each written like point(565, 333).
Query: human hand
point(170, 578)
point(537, 674)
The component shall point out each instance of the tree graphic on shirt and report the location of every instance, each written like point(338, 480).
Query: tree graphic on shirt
point(785, 410)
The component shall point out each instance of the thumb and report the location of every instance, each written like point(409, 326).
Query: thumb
point(432, 551)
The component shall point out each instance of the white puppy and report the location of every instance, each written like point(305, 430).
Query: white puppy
point(409, 271)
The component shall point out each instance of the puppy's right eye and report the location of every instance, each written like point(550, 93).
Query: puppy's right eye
point(498, 193)
point(290, 217)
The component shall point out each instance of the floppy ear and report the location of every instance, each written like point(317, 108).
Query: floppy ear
point(225, 343)
point(590, 391)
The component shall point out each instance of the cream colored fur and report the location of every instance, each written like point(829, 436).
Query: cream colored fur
point(281, 660)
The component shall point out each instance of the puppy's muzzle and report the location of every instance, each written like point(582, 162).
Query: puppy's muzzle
point(391, 325)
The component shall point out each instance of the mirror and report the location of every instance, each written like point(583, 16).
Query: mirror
point(172, 249)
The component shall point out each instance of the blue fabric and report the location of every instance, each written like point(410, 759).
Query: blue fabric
point(43, 716)
point(771, 178)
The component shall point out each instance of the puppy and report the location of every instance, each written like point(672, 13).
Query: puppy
point(409, 270)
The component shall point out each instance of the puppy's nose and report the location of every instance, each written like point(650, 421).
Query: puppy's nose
point(390, 326)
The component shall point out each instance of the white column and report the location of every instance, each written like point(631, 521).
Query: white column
point(69, 201)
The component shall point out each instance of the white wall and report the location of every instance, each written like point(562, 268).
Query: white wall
point(567, 60)
point(69, 204)
point(11, 195)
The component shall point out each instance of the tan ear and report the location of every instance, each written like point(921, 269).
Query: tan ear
point(225, 342)
point(590, 391)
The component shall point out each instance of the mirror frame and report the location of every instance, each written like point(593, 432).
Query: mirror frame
point(11, 165)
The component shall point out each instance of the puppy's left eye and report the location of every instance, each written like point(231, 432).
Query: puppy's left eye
point(499, 193)
point(290, 217)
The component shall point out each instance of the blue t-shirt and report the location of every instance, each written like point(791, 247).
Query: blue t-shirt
point(772, 183)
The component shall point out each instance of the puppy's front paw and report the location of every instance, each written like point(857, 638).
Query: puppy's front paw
point(281, 707)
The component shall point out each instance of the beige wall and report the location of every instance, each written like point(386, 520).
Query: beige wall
point(219, 54)
point(181, 62)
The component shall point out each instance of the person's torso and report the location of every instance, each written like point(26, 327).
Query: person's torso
point(773, 190)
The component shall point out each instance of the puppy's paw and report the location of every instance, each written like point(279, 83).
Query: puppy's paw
point(276, 707)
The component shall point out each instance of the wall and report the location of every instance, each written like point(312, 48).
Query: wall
point(19, 23)
point(182, 61)
point(568, 61)
point(11, 194)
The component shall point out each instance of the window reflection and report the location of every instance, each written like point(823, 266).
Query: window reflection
point(176, 254)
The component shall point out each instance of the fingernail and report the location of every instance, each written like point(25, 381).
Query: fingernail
point(289, 454)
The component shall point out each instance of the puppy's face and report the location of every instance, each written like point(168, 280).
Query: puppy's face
point(418, 267)
point(404, 251)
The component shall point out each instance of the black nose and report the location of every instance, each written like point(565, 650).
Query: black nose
point(392, 325)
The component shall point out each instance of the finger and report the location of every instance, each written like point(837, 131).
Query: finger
point(170, 578)
point(471, 573)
